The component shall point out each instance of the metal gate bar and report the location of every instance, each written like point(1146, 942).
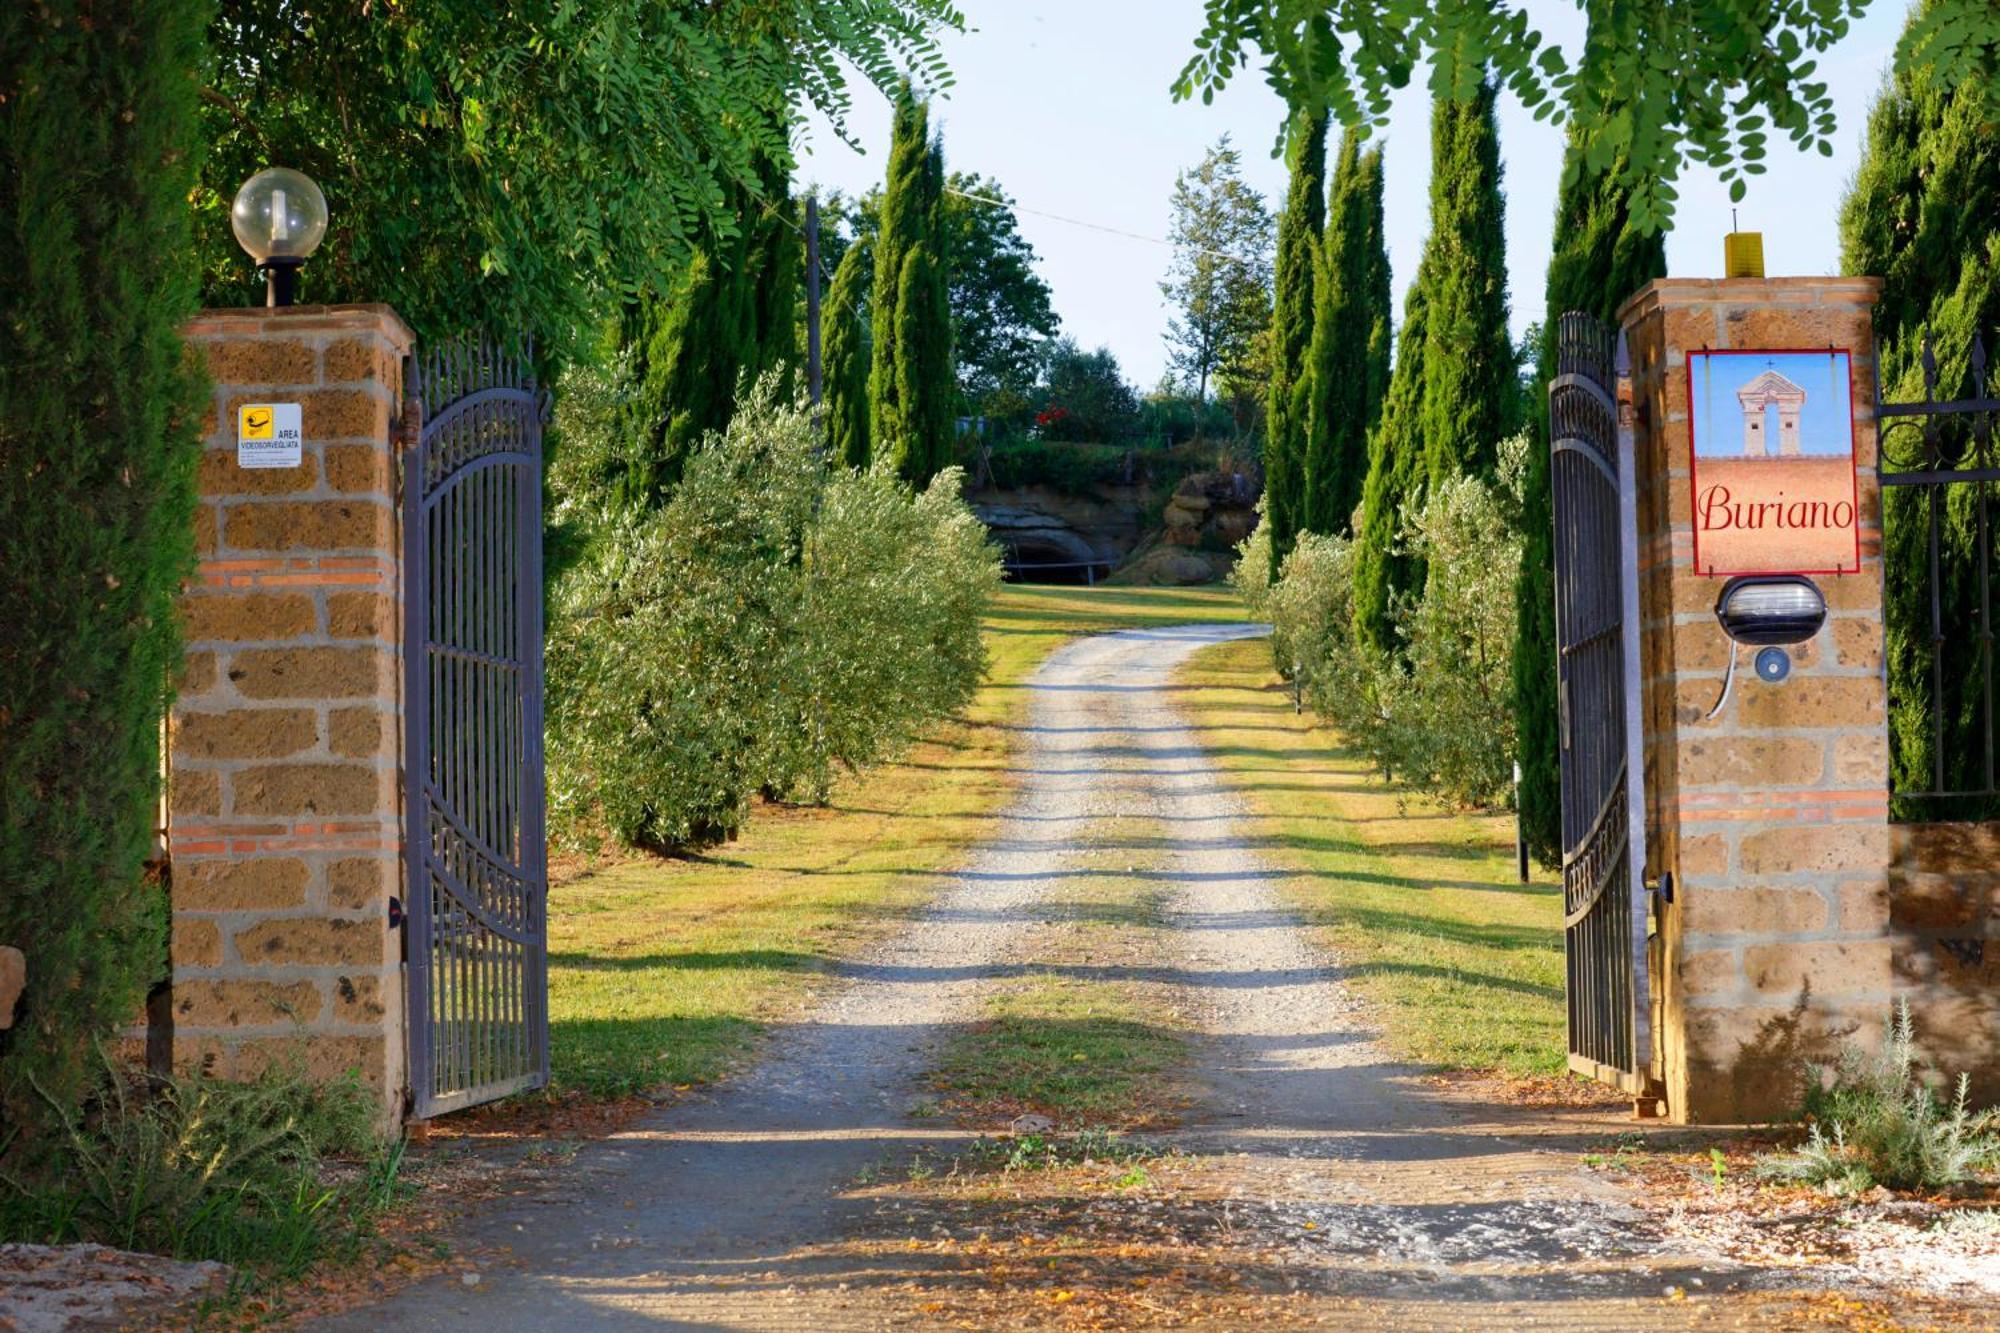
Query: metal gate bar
point(1598, 702)
point(1938, 597)
point(476, 926)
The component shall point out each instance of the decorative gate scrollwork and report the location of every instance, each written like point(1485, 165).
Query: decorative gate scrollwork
point(476, 943)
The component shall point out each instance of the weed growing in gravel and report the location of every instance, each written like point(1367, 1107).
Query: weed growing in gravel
point(1049, 1152)
point(1876, 1119)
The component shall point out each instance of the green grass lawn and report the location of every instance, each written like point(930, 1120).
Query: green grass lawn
point(663, 971)
point(1080, 1052)
point(1463, 964)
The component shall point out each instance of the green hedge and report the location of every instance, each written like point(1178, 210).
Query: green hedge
point(98, 415)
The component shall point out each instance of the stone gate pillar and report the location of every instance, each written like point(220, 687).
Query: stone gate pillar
point(1772, 818)
point(284, 823)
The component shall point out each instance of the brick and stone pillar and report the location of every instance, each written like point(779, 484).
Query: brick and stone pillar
point(1772, 817)
point(284, 810)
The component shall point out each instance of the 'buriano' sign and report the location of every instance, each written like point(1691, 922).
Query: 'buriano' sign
point(1773, 475)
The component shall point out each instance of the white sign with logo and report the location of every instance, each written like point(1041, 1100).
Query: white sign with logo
point(269, 435)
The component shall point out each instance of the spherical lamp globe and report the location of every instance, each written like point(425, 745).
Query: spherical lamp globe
point(279, 218)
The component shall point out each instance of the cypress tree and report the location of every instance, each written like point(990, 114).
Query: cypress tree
point(1291, 337)
point(1349, 363)
point(1598, 261)
point(780, 260)
point(1395, 478)
point(1471, 385)
point(99, 426)
point(1380, 287)
point(846, 371)
point(910, 406)
point(728, 320)
point(1924, 215)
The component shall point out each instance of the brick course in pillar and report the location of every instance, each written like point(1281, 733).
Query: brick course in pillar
point(1772, 817)
point(285, 823)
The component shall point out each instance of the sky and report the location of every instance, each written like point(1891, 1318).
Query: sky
point(1066, 104)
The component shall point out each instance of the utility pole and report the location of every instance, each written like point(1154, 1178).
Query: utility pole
point(812, 301)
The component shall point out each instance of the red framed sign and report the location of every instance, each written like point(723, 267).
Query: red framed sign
point(1773, 470)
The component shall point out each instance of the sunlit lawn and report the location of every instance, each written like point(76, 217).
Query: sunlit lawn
point(662, 972)
point(1463, 964)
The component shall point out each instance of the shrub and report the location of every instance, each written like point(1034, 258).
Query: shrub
point(1085, 397)
point(1067, 469)
point(1876, 1118)
point(1448, 701)
point(98, 437)
point(1436, 711)
point(772, 624)
point(199, 1168)
point(1251, 576)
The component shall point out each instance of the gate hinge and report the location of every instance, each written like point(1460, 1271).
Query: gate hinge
point(395, 913)
point(1664, 886)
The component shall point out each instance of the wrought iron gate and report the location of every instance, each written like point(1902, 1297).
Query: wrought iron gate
point(475, 939)
point(1939, 461)
point(1603, 759)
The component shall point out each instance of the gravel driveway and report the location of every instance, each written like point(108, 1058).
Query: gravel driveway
point(1387, 1204)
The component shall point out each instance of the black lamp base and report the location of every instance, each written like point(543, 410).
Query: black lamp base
point(281, 281)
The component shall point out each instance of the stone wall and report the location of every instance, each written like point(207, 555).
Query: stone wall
point(1944, 914)
point(1773, 817)
point(284, 808)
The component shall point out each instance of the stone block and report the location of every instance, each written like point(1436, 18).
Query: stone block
point(1857, 642)
point(1710, 972)
point(1753, 911)
point(247, 616)
point(1862, 759)
point(1744, 762)
point(201, 1055)
point(252, 360)
point(358, 999)
point(361, 615)
point(1703, 855)
point(1789, 327)
point(307, 789)
point(357, 733)
point(312, 673)
point(352, 360)
point(196, 943)
point(194, 791)
point(1814, 849)
point(243, 884)
point(198, 673)
point(308, 525)
point(207, 530)
point(1938, 902)
point(361, 468)
point(1747, 1062)
point(319, 1058)
point(246, 733)
point(1811, 701)
point(1828, 967)
point(1864, 906)
point(218, 475)
point(344, 414)
point(308, 941)
point(1849, 593)
point(356, 882)
point(234, 1003)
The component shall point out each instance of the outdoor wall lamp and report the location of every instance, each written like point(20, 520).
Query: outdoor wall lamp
point(279, 218)
point(1770, 613)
